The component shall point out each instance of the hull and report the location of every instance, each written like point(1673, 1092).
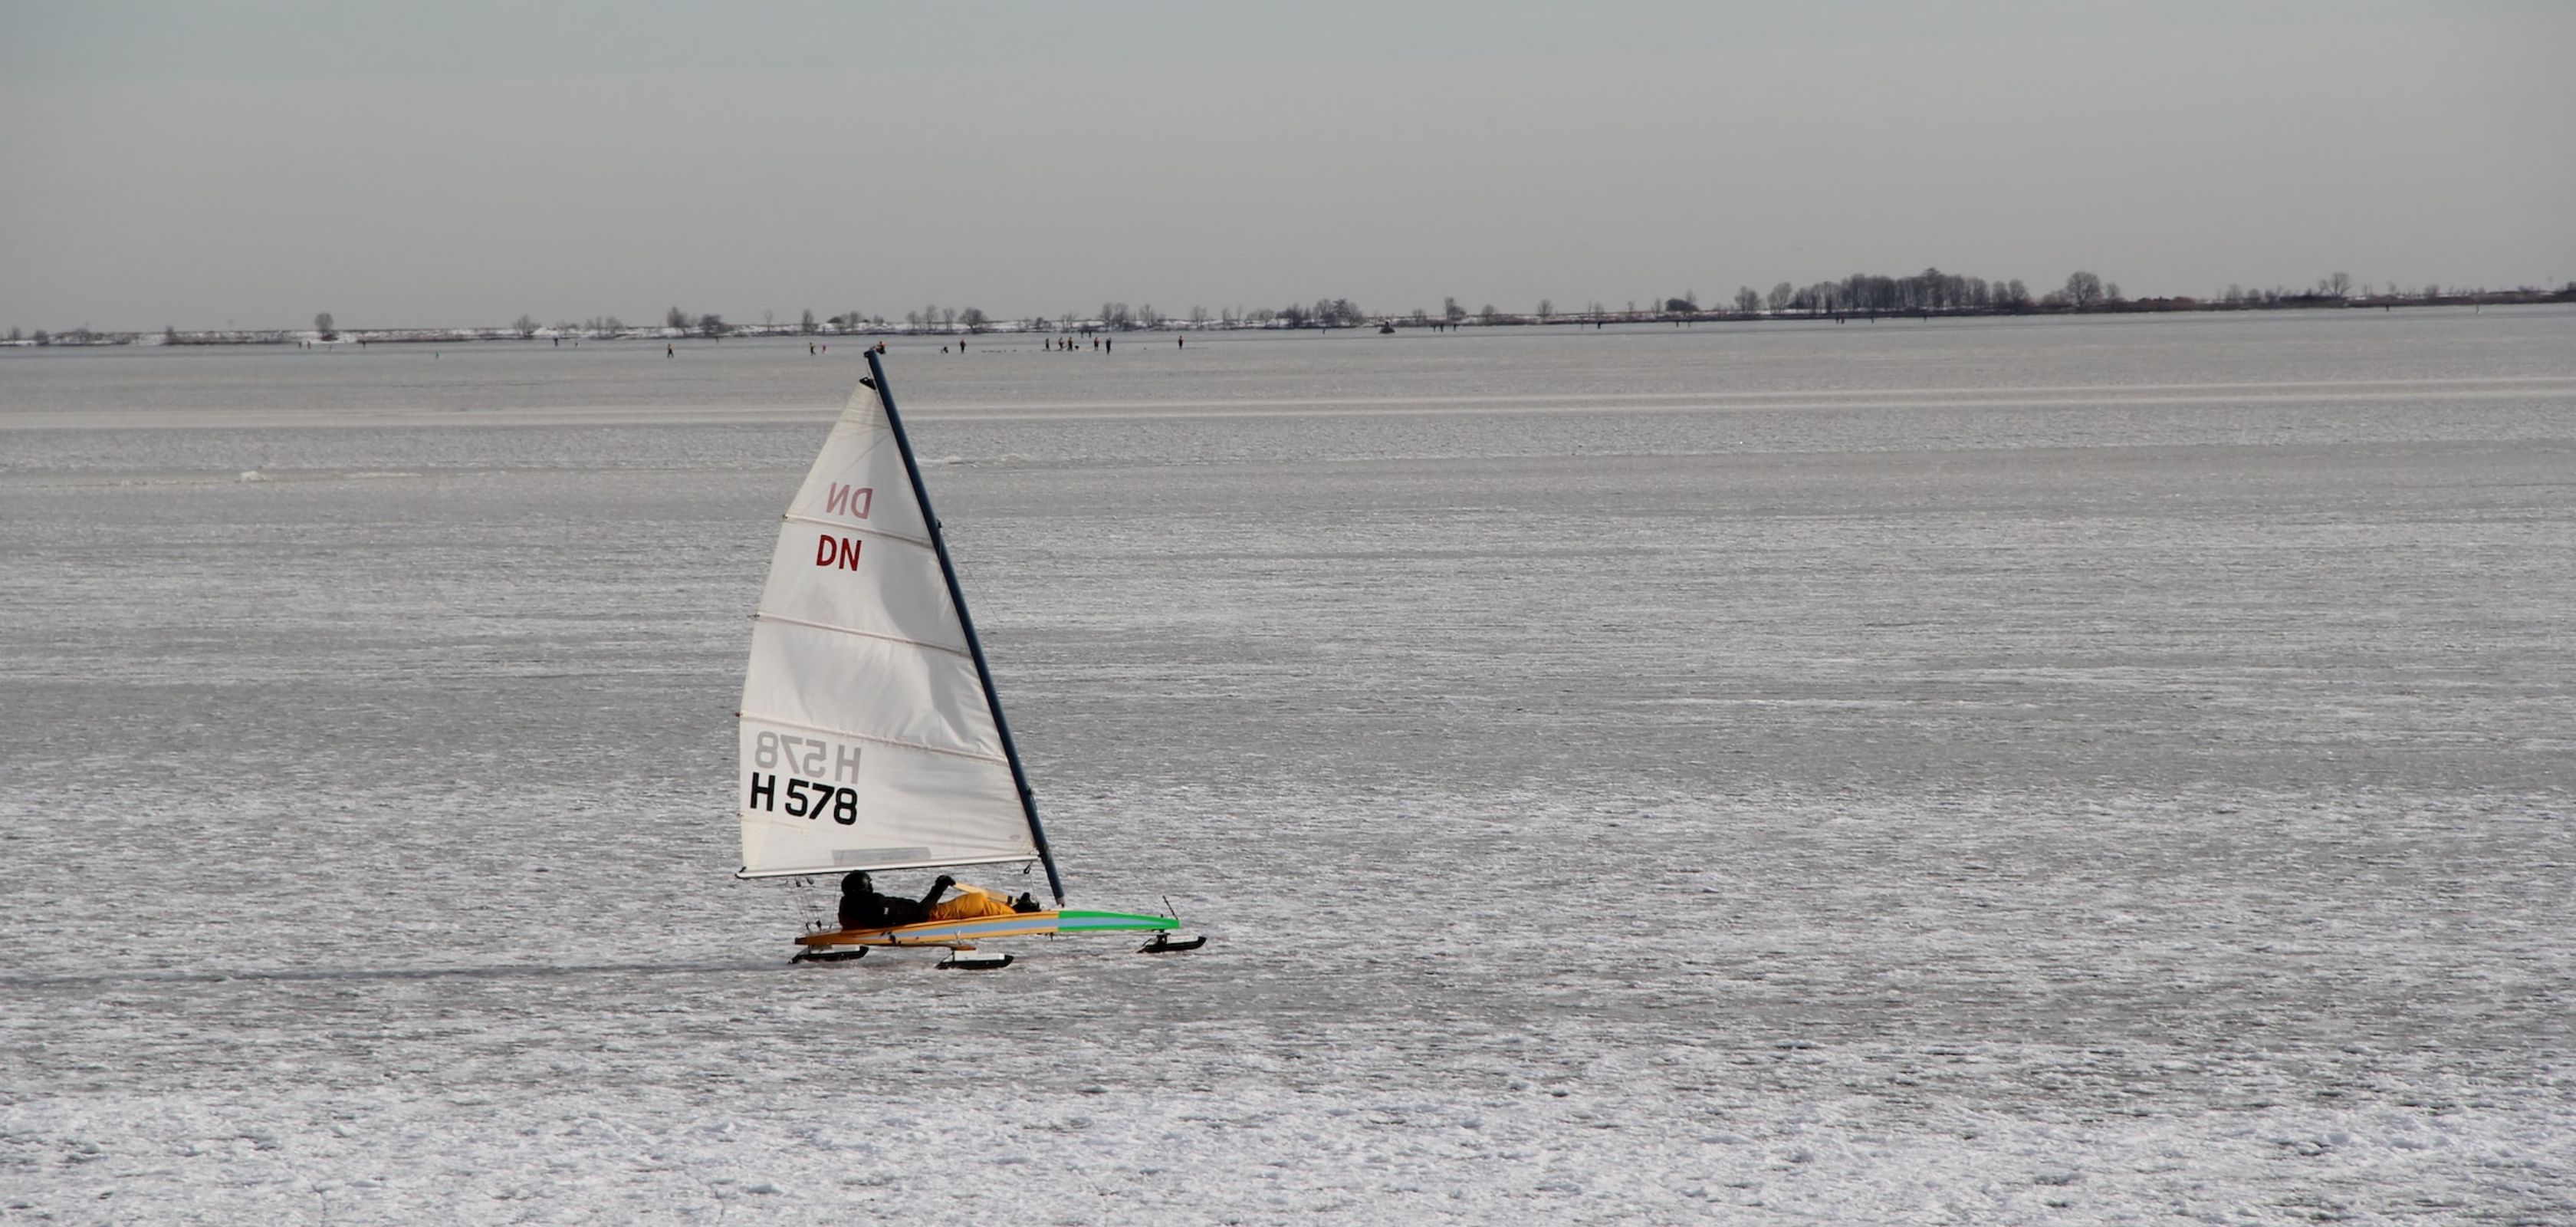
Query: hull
point(988, 928)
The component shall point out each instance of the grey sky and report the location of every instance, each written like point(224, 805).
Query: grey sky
point(462, 163)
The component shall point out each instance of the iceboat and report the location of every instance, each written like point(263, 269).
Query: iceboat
point(871, 736)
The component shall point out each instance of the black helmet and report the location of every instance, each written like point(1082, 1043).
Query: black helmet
point(857, 884)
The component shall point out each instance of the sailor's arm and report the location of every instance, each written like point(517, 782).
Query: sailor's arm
point(937, 889)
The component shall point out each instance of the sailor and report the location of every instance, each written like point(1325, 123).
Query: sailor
point(863, 908)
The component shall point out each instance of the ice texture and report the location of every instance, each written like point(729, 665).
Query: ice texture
point(2070, 772)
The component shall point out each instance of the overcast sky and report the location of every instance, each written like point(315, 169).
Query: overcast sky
point(462, 163)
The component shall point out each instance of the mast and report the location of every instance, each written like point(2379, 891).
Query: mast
point(966, 622)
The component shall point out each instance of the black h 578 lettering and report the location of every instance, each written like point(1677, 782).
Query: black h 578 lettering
point(801, 798)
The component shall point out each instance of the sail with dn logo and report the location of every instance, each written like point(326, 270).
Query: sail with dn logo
point(871, 737)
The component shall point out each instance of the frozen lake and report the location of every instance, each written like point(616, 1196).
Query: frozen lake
point(2089, 770)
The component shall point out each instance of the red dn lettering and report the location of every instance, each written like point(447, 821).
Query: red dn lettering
point(851, 501)
point(842, 552)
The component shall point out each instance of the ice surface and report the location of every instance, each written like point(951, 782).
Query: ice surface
point(1903, 774)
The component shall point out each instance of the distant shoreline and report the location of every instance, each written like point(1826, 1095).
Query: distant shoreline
point(558, 333)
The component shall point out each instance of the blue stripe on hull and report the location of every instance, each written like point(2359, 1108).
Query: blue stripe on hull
point(986, 928)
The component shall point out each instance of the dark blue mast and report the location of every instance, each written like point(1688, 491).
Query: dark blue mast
point(966, 621)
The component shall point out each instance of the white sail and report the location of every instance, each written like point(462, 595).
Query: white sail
point(869, 740)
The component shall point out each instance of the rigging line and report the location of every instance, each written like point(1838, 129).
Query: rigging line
point(896, 742)
point(758, 616)
point(802, 886)
point(819, 522)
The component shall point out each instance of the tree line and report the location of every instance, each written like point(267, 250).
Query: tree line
point(1930, 292)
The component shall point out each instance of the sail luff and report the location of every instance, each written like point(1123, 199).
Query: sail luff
point(966, 622)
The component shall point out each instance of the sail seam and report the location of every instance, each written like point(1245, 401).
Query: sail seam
point(883, 741)
point(762, 616)
point(819, 522)
point(831, 870)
